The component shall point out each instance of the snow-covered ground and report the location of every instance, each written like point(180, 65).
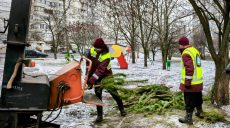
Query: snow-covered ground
point(82, 115)
point(156, 75)
point(153, 73)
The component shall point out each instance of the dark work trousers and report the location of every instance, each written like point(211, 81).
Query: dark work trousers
point(115, 95)
point(193, 100)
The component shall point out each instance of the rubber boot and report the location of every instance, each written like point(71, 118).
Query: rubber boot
point(187, 119)
point(123, 113)
point(199, 113)
point(99, 114)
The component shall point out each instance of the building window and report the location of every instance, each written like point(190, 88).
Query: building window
point(32, 26)
point(42, 26)
point(50, 4)
point(43, 1)
point(47, 26)
point(36, 8)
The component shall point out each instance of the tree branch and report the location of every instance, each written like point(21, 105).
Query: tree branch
point(220, 7)
point(203, 19)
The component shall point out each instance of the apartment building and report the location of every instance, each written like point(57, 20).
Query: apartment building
point(78, 11)
point(40, 36)
point(4, 15)
point(39, 33)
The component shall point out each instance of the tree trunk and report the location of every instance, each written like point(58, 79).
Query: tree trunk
point(138, 52)
point(145, 57)
point(203, 52)
point(133, 54)
point(153, 55)
point(170, 54)
point(220, 94)
point(55, 53)
point(164, 59)
point(221, 86)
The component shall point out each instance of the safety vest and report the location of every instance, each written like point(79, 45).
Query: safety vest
point(197, 77)
point(101, 57)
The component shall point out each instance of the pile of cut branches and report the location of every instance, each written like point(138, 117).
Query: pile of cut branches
point(152, 98)
point(149, 98)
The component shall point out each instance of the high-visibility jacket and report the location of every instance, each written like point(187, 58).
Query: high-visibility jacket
point(101, 66)
point(197, 77)
point(101, 57)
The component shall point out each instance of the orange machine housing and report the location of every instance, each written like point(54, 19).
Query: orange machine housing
point(70, 74)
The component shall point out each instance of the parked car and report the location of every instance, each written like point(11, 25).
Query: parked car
point(70, 51)
point(34, 54)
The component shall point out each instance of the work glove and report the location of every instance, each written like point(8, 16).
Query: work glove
point(188, 83)
point(89, 86)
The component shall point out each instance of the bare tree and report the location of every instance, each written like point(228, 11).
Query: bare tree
point(145, 16)
point(167, 18)
point(66, 6)
point(134, 20)
point(200, 41)
point(111, 19)
point(124, 16)
point(56, 33)
point(214, 15)
point(154, 46)
point(164, 10)
point(55, 20)
point(82, 35)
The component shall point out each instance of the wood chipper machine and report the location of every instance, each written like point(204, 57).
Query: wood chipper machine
point(22, 95)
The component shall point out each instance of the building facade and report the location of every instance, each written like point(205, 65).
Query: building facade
point(42, 28)
point(4, 16)
point(42, 19)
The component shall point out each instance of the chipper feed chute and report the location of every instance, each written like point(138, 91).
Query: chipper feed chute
point(90, 98)
point(66, 87)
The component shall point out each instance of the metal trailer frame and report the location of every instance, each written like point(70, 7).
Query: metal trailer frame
point(28, 96)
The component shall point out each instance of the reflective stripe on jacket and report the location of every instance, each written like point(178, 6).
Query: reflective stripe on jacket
point(197, 77)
